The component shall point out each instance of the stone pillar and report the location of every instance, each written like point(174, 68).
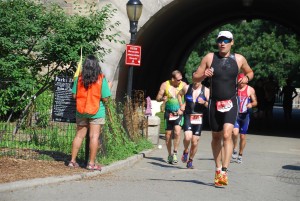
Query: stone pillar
point(153, 129)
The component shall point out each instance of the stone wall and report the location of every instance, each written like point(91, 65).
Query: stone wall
point(115, 60)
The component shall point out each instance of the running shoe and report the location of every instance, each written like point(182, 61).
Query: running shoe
point(175, 160)
point(240, 160)
point(223, 179)
point(170, 159)
point(217, 176)
point(234, 154)
point(184, 157)
point(189, 164)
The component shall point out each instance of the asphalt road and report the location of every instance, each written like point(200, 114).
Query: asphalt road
point(270, 172)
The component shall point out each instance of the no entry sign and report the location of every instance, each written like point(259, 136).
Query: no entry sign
point(133, 55)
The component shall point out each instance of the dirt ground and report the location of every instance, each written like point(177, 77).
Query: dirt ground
point(18, 169)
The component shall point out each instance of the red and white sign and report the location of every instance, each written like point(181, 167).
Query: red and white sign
point(133, 55)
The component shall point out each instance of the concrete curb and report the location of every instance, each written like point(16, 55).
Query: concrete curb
point(50, 180)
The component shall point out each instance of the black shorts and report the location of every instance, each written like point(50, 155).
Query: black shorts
point(218, 119)
point(169, 125)
point(195, 128)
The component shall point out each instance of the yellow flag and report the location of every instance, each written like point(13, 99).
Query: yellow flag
point(79, 66)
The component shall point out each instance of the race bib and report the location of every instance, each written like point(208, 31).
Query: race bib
point(224, 106)
point(196, 118)
point(173, 117)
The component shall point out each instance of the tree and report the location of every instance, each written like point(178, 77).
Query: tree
point(270, 48)
point(38, 42)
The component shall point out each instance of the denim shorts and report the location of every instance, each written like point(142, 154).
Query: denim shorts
point(87, 121)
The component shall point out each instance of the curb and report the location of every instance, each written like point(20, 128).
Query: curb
point(50, 180)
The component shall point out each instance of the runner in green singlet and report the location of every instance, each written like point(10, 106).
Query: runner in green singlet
point(173, 115)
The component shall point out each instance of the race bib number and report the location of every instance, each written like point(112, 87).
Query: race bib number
point(173, 117)
point(224, 106)
point(196, 118)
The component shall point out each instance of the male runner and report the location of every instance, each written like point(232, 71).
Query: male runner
point(196, 100)
point(247, 100)
point(222, 67)
point(173, 115)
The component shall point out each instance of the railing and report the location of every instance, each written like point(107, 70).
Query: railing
point(54, 141)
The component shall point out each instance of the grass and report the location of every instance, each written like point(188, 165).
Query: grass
point(162, 124)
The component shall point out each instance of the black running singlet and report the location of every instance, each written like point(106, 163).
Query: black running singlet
point(224, 81)
point(191, 106)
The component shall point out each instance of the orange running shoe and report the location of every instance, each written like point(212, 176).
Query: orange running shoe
point(218, 175)
point(223, 179)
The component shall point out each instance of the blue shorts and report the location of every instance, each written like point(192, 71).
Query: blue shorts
point(242, 122)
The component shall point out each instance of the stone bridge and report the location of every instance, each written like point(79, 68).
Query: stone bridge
point(169, 29)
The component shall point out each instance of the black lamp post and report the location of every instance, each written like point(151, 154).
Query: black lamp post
point(134, 10)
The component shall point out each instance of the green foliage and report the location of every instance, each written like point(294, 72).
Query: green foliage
point(117, 144)
point(162, 122)
point(39, 143)
point(55, 139)
point(42, 105)
point(193, 60)
point(38, 42)
point(268, 47)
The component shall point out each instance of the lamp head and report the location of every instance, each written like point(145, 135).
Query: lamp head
point(134, 10)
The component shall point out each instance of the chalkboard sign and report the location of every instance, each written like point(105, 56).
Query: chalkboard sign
point(64, 105)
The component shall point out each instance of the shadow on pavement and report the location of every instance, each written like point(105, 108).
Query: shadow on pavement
point(166, 165)
point(187, 181)
point(206, 159)
point(156, 159)
point(291, 167)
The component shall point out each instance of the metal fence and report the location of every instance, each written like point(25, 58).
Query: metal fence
point(53, 141)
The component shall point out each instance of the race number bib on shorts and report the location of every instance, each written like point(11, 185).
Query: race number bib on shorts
point(196, 118)
point(173, 117)
point(224, 106)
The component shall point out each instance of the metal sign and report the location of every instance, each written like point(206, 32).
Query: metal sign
point(133, 55)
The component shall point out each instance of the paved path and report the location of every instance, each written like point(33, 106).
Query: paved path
point(270, 172)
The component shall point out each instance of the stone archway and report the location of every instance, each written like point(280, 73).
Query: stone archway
point(168, 30)
point(168, 39)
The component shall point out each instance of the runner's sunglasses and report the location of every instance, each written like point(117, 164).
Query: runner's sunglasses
point(226, 41)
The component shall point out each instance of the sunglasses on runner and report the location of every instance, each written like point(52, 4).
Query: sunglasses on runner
point(178, 80)
point(226, 41)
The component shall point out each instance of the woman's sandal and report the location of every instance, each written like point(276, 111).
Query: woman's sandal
point(93, 167)
point(73, 164)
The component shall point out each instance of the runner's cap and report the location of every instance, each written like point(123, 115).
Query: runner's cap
point(240, 76)
point(226, 34)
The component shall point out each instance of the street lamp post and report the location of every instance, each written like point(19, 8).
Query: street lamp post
point(134, 11)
